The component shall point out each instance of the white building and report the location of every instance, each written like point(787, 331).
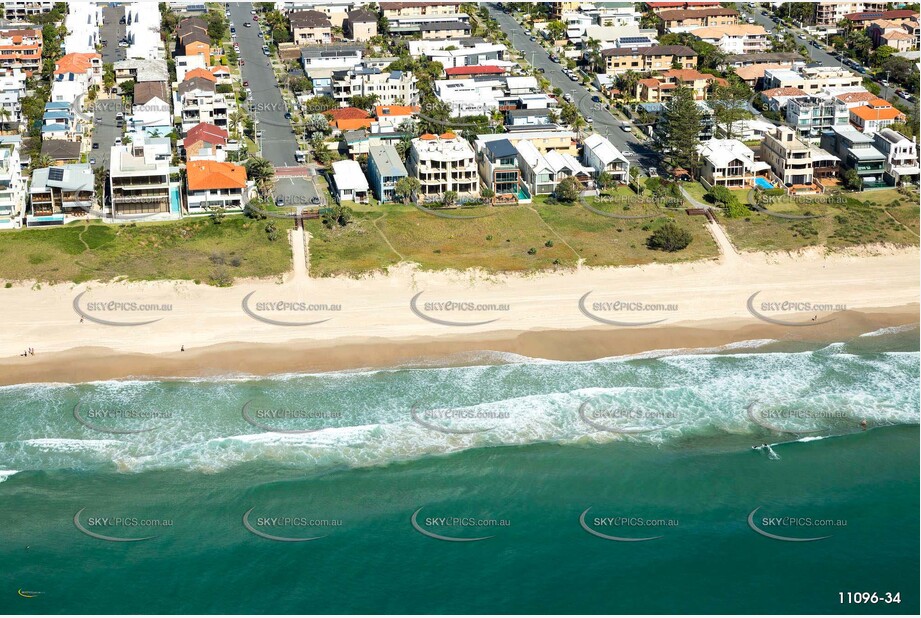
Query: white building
point(457, 53)
point(139, 181)
point(443, 163)
point(12, 184)
point(736, 39)
point(197, 101)
point(901, 156)
point(729, 163)
point(12, 90)
point(390, 87)
point(601, 155)
point(143, 30)
point(184, 64)
point(543, 172)
point(351, 183)
point(82, 22)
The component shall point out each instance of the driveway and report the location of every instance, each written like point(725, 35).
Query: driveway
point(278, 141)
point(111, 31)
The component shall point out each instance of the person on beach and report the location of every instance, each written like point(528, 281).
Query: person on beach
point(863, 425)
point(182, 348)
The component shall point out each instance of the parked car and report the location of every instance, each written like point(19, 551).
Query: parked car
point(279, 201)
point(95, 145)
point(596, 99)
point(246, 24)
point(245, 83)
point(653, 172)
point(542, 69)
point(626, 128)
point(92, 160)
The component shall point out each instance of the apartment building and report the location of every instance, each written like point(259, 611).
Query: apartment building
point(857, 151)
point(861, 20)
point(658, 7)
point(12, 183)
point(875, 116)
point(654, 58)
point(829, 12)
point(360, 25)
point(458, 53)
point(390, 87)
point(659, 89)
point(385, 170)
point(60, 191)
point(736, 39)
point(141, 70)
point(214, 184)
point(21, 48)
point(394, 10)
point(812, 115)
point(789, 157)
point(139, 182)
point(442, 163)
point(542, 172)
point(729, 163)
point(901, 35)
point(310, 28)
point(12, 91)
point(74, 74)
point(197, 101)
point(901, 157)
point(60, 122)
point(811, 80)
point(18, 10)
point(192, 38)
point(600, 154)
point(686, 20)
point(320, 59)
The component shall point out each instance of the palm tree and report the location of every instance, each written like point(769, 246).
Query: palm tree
point(262, 172)
point(40, 161)
point(578, 123)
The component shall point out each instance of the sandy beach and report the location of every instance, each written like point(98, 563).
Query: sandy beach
point(92, 331)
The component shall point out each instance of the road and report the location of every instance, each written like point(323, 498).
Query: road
point(111, 31)
point(278, 141)
point(818, 54)
point(603, 121)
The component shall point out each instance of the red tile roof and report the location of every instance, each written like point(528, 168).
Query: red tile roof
point(207, 132)
point(346, 113)
point(475, 70)
point(205, 175)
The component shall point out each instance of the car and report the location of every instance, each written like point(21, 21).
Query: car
point(574, 77)
point(123, 44)
point(567, 97)
point(246, 24)
point(626, 128)
point(266, 52)
point(92, 160)
point(279, 201)
point(118, 141)
point(533, 38)
point(555, 59)
point(245, 83)
point(815, 44)
point(287, 115)
point(542, 69)
point(653, 172)
point(122, 20)
point(242, 62)
point(596, 98)
point(95, 145)
point(119, 123)
point(255, 17)
point(750, 20)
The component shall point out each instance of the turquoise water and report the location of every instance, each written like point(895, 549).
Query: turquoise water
point(529, 464)
point(175, 204)
point(763, 183)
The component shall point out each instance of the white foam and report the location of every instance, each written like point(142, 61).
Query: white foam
point(891, 330)
point(5, 474)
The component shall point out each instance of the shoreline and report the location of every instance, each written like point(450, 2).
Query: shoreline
point(248, 360)
point(91, 331)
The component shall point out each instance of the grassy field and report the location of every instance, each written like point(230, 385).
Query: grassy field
point(506, 239)
point(192, 249)
point(878, 216)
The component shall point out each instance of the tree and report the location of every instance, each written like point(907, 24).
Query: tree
point(627, 83)
point(262, 172)
point(852, 180)
point(108, 75)
point(217, 25)
point(300, 84)
point(406, 187)
point(568, 190)
point(556, 30)
point(604, 181)
point(364, 101)
point(449, 198)
point(730, 106)
point(881, 54)
point(127, 88)
point(720, 195)
point(681, 125)
point(670, 237)
point(337, 215)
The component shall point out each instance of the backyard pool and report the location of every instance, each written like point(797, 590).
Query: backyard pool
point(763, 183)
point(175, 204)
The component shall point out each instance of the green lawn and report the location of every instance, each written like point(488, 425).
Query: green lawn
point(848, 219)
point(507, 239)
point(191, 249)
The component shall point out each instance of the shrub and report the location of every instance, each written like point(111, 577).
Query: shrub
point(670, 237)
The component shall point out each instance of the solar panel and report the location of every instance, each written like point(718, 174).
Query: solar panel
point(56, 173)
point(634, 39)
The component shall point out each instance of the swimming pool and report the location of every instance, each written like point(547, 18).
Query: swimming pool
point(762, 183)
point(175, 204)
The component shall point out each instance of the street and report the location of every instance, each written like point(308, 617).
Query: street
point(278, 141)
point(111, 32)
point(603, 122)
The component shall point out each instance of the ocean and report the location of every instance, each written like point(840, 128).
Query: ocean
point(489, 483)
